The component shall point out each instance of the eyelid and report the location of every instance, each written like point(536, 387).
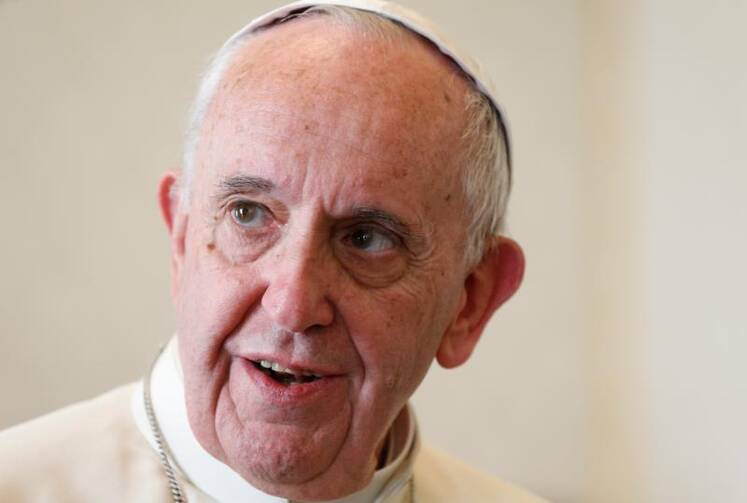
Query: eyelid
point(239, 198)
point(231, 202)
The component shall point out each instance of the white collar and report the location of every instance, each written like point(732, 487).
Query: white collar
point(218, 480)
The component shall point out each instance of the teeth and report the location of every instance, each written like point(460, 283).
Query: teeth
point(299, 377)
point(277, 368)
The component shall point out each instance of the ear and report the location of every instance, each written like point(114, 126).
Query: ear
point(491, 283)
point(175, 220)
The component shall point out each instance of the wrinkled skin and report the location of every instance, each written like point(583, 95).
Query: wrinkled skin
point(325, 231)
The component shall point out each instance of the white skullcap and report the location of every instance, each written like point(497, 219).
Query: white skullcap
point(411, 20)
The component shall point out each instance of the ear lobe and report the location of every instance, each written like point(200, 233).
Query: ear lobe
point(175, 220)
point(492, 282)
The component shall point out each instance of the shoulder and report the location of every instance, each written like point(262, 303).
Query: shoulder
point(82, 452)
point(439, 477)
point(101, 420)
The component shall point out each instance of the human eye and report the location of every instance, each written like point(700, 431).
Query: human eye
point(372, 254)
point(370, 239)
point(244, 230)
point(249, 214)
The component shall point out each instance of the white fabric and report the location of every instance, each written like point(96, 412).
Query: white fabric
point(218, 480)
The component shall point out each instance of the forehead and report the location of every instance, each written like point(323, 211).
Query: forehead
point(313, 93)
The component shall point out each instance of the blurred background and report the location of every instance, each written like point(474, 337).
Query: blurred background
point(617, 374)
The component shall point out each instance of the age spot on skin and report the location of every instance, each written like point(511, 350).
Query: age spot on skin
point(211, 246)
point(390, 382)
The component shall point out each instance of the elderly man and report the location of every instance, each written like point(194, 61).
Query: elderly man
point(334, 229)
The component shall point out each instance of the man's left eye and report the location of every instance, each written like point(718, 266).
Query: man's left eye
point(248, 214)
point(371, 240)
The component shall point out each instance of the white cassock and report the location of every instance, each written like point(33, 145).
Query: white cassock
point(103, 450)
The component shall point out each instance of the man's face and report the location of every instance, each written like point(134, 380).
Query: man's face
point(324, 237)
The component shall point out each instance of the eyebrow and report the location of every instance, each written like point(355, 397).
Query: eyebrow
point(242, 184)
point(377, 215)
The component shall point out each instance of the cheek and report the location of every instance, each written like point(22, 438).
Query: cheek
point(213, 299)
point(425, 309)
point(402, 338)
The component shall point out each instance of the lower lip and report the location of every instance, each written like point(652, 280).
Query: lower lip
point(273, 391)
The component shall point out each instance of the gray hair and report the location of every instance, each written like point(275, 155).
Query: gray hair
point(486, 179)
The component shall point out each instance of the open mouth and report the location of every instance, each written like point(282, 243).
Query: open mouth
point(283, 375)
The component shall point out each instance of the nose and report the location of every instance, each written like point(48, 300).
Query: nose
point(299, 280)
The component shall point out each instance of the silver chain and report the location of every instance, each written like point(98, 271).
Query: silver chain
point(177, 495)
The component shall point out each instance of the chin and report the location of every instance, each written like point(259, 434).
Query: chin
point(277, 466)
point(288, 462)
point(301, 478)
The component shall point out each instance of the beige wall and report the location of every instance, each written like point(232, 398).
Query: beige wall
point(616, 375)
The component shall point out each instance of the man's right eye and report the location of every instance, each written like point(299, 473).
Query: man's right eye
point(249, 215)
